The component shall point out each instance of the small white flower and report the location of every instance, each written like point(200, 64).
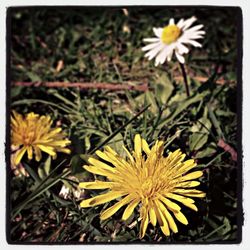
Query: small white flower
point(171, 39)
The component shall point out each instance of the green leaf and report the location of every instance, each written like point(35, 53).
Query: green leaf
point(118, 130)
point(41, 172)
point(201, 130)
point(32, 173)
point(208, 151)
point(31, 101)
point(197, 140)
point(62, 98)
point(183, 105)
point(163, 88)
point(226, 228)
point(15, 91)
point(150, 99)
point(215, 122)
point(38, 191)
point(87, 142)
point(76, 164)
point(44, 168)
point(33, 76)
point(116, 143)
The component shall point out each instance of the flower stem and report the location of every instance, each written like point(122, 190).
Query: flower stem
point(185, 78)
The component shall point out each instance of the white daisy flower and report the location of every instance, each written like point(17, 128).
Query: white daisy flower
point(171, 39)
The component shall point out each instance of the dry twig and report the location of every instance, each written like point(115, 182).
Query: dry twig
point(84, 85)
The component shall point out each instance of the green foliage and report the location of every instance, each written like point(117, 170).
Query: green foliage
point(104, 45)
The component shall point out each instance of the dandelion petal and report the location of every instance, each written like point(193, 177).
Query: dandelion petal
point(19, 155)
point(129, 209)
point(112, 210)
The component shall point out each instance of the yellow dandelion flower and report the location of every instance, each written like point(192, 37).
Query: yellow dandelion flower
point(149, 180)
point(33, 134)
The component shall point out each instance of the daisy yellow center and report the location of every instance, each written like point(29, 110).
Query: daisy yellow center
point(170, 34)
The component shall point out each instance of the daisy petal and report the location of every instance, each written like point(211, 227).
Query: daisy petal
point(187, 40)
point(180, 57)
point(158, 31)
point(200, 32)
point(170, 56)
point(189, 22)
point(150, 46)
point(196, 37)
point(180, 23)
point(171, 21)
point(190, 36)
point(182, 49)
point(194, 43)
point(162, 56)
point(195, 28)
point(152, 53)
point(151, 40)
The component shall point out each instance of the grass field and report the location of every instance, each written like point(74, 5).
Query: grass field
point(103, 45)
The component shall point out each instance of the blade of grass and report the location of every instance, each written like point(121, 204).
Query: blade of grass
point(62, 98)
point(37, 193)
point(30, 101)
point(215, 123)
point(212, 233)
point(170, 140)
point(32, 173)
point(118, 130)
point(183, 105)
point(214, 159)
point(50, 174)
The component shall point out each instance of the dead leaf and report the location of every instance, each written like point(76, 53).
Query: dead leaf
point(228, 148)
point(59, 66)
